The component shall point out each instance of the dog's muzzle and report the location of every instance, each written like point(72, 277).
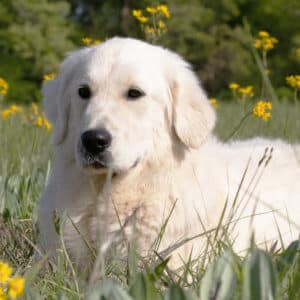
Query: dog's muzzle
point(94, 147)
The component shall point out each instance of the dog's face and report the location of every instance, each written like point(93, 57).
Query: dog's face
point(119, 103)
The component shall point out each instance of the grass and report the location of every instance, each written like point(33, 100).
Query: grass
point(218, 274)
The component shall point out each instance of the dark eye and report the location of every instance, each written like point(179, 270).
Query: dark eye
point(84, 92)
point(134, 94)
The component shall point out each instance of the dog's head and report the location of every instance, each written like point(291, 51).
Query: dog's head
point(123, 101)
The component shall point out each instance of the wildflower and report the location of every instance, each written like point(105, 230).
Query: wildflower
point(137, 13)
point(49, 76)
point(16, 287)
point(161, 24)
point(151, 10)
point(214, 103)
point(47, 125)
point(86, 41)
point(149, 30)
point(246, 91)
point(35, 108)
point(263, 34)
point(257, 44)
point(164, 10)
point(262, 110)
point(5, 272)
point(96, 42)
point(298, 52)
point(13, 109)
point(293, 81)
point(39, 122)
point(2, 294)
point(234, 86)
point(265, 41)
point(3, 87)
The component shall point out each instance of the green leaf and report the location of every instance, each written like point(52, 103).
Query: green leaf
point(219, 280)
point(175, 292)
point(260, 278)
point(143, 288)
point(288, 257)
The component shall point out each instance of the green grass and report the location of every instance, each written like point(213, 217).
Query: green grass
point(218, 274)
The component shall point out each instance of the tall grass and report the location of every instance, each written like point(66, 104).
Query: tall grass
point(218, 274)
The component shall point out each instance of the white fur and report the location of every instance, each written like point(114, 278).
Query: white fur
point(168, 132)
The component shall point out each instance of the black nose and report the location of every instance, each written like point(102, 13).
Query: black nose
point(96, 141)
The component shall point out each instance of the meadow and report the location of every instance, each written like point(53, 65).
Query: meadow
point(219, 273)
point(25, 163)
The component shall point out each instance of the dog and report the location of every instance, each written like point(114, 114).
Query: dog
point(135, 159)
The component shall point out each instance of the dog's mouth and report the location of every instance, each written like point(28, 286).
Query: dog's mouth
point(101, 163)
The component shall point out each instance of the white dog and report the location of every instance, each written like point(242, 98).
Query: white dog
point(139, 111)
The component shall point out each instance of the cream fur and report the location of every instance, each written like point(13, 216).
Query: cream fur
point(169, 132)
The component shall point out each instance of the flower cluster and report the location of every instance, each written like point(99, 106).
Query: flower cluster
point(12, 110)
point(214, 103)
point(10, 287)
point(3, 87)
point(265, 42)
point(90, 42)
point(31, 116)
point(48, 77)
point(242, 92)
point(262, 110)
point(152, 19)
point(293, 81)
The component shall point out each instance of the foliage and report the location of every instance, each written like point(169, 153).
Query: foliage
point(35, 35)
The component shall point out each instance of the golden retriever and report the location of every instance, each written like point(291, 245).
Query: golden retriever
point(136, 111)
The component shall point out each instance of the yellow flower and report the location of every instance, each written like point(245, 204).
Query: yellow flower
point(214, 103)
point(15, 108)
point(35, 108)
point(49, 76)
point(298, 52)
point(16, 287)
point(257, 44)
point(3, 87)
point(96, 42)
point(151, 10)
point(234, 86)
point(293, 81)
point(47, 124)
point(39, 122)
point(86, 41)
point(143, 19)
point(263, 34)
point(265, 41)
point(137, 13)
point(161, 24)
point(149, 30)
point(262, 110)
point(2, 294)
point(247, 90)
point(5, 272)
point(164, 10)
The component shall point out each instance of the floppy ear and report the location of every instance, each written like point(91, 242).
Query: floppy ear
point(193, 116)
point(56, 108)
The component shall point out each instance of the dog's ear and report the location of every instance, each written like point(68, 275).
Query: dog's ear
point(56, 108)
point(193, 115)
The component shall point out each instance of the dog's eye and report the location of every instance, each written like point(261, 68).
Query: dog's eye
point(134, 94)
point(84, 92)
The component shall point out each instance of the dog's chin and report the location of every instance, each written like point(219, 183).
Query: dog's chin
point(98, 167)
